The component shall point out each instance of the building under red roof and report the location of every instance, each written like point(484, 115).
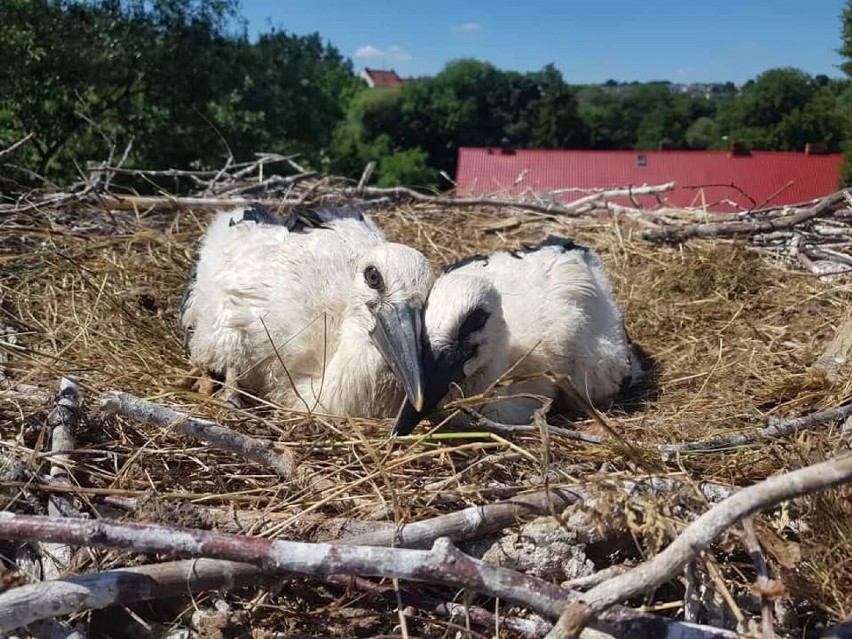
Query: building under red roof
point(378, 78)
point(719, 180)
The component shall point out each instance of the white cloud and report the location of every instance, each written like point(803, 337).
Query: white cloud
point(467, 27)
point(391, 54)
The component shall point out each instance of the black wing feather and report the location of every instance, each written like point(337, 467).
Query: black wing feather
point(301, 218)
point(449, 268)
point(566, 244)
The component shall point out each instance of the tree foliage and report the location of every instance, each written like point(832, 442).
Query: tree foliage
point(182, 82)
point(469, 103)
point(168, 76)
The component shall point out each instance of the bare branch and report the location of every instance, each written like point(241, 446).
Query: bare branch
point(10, 150)
point(443, 564)
point(731, 229)
point(472, 522)
point(775, 429)
point(571, 210)
point(26, 604)
point(62, 421)
point(256, 450)
point(764, 581)
point(698, 535)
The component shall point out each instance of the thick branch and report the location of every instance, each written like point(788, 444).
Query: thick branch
point(26, 604)
point(730, 229)
point(700, 534)
point(444, 564)
point(472, 522)
point(62, 422)
point(256, 450)
point(570, 210)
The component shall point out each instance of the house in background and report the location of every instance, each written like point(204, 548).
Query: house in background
point(379, 78)
point(732, 180)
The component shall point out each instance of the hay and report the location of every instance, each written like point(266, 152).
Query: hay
point(94, 295)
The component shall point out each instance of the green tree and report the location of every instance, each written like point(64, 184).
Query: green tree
point(846, 38)
point(172, 76)
point(702, 134)
point(469, 103)
point(407, 168)
point(772, 112)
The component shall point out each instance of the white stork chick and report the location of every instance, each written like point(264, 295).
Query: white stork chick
point(315, 311)
point(547, 308)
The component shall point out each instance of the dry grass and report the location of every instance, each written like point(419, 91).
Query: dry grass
point(95, 296)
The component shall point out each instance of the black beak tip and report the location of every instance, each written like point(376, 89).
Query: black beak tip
point(406, 420)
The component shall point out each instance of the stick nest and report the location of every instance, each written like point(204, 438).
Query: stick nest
point(92, 292)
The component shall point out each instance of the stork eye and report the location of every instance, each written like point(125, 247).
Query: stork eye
point(373, 277)
point(473, 322)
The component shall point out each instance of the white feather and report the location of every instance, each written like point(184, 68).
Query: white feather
point(556, 313)
point(283, 312)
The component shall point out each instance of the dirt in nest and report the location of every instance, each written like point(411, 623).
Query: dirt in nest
point(732, 335)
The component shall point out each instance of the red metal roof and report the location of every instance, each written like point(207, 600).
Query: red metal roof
point(767, 177)
point(380, 78)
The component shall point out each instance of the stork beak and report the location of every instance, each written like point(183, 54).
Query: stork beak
point(397, 336)
point(442, 367)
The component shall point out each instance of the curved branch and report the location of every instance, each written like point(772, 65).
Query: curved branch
point(257, 450)
point(700, 534)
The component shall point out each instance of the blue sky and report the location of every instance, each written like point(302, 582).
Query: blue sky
point(588, 40)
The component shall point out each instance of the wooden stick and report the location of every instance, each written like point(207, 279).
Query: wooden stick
point(571, 209)
point(245, 557)
point(698, 535)
point(26, 604)
point(257, 450)
point(764, 581)
point(472, 522)
point(62, 422)
point(10, 150)
point(775, 429)
point(731, 229)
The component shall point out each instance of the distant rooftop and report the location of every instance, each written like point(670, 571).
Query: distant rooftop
point(718, 180)
point(380, 78)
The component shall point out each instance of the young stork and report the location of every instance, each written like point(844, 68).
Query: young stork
point(546, 308)
point(315, 311)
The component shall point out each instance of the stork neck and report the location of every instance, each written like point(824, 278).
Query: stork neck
point(358, 381)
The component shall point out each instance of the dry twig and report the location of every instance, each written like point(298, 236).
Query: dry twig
point(764, 581)
point(775, 429)
point(572, 209)
point(731, 229)
point(12, 148)
point(62, 422)
point(443, 564)
point(256, 450)
point(698, 535)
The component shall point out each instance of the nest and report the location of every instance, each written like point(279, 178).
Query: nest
point(91, 292)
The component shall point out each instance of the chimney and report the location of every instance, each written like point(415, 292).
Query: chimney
point(816, 148)
point(506, 147)
point(739, 149)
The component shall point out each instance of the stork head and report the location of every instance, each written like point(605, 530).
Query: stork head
point(391, 285)
point(466, 342)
